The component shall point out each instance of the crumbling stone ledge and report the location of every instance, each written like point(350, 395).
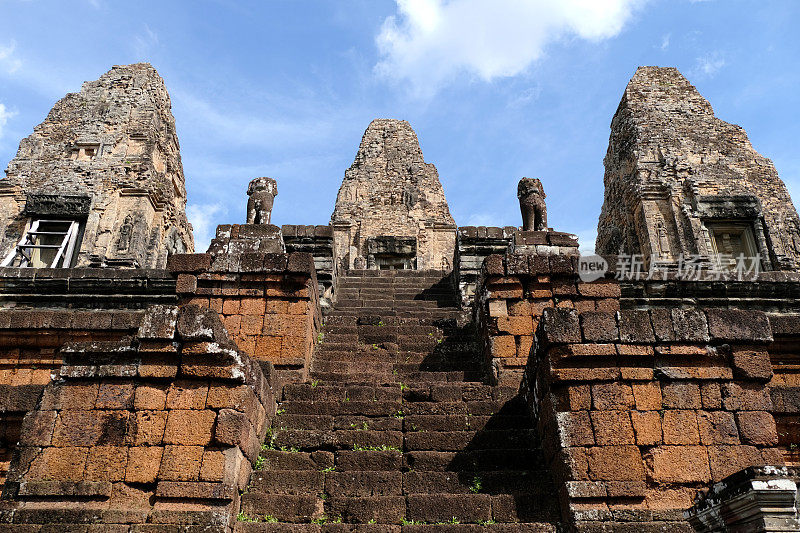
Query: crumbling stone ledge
point(759, 499)
point(159, 429)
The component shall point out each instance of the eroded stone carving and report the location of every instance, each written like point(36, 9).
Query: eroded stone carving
point(60, 205)
point(390, 191)
point(262, 193)
point(107, 157)
point(125, 232)
point(673, 171)
point(531, 202)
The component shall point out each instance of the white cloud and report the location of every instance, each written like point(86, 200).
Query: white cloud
point(5, 114)
point(201, 217)
point(482, 219)
point(428, 42)
point(47, 79)
point(7, 59)
point(665, 41)
point(144, 42)
point(708, 65)
point(525, 97)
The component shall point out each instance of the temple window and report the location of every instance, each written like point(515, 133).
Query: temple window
point(46, 244)
point(84, 152)
point(730, 240)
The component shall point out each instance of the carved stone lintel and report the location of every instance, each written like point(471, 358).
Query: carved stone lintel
point(64, 205)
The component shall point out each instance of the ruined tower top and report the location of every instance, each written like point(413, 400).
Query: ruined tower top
point(390, 176)
point(679, 181)
point(105, 167)
point(392, 205)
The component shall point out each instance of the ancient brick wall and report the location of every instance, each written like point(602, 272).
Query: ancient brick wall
point(645, 408)
point(268, 302)
point(639, 409)
point(43, 309)
point(108, 156)
point(159, 429)
point(30, 340)
point(513, 291)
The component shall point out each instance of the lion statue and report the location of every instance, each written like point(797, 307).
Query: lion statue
point(531, 202)
point(262, 192)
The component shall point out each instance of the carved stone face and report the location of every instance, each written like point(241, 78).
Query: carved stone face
point(263, 185)
point(530, 186)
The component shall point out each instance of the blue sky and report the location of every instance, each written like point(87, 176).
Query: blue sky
point(495, 90)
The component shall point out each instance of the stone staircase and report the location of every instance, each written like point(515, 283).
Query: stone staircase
point(396, 432)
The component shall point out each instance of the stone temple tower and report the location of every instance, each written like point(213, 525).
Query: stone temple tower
point(391, 212)
point(678, 180)
point(100, 181)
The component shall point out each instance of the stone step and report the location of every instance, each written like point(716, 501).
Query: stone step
point(368, 282)
point(373, 439)
point(401, 273)
point(444, 508)
point(534, 527)
point(394, 369)
point(292, 482)
point(338, 391)
point(283, 507)
point(331, 527)
point(377, 320)
point(419, 461)
point(409, 378)
point(408, 424)
point(404, 296)
point(385, 314)
point(506, 400)
point(410, 297)
point(394, 357)
point(455, 441)
point(412, 329)
point(478, 508)
point(474, 460)
point(415, 423)
point(450, 392)
point(369, 329)
point(364, 483)
point(391, 346)
point(352, 367)
point(478, 407)
point(330, 422)
point(377, 482)
point(288, 460)
point(312, 439)
point(474, 482)
point(380, 509)
point(410, 334)
point(340, 408)
point(362, 460)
